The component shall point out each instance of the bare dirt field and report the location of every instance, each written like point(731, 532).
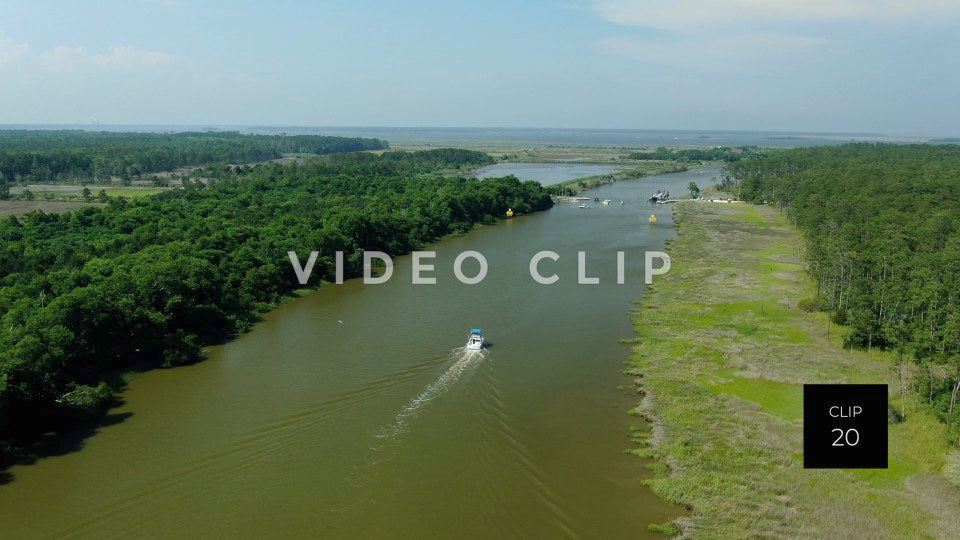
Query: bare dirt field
point(17, 208)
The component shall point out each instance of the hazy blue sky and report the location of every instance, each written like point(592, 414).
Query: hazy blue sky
point(841, 65)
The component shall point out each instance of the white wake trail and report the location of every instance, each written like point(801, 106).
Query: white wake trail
point(464, 362)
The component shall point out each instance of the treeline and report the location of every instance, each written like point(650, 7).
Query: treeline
point(72, 156)
point(409, 163)
point(729, 154)
point(882, 226)
point(147, 282)
point(385, 164)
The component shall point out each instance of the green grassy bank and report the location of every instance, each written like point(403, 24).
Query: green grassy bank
point(721, 356)
point(578, 185)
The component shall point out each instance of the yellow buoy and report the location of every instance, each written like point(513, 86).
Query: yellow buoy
point(653, 218)
point(509, 212)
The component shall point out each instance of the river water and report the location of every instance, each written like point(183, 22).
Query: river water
point(353, 411)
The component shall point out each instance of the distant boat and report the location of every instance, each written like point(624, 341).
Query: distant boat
point(475, 342)
point(583, 206)
point(509, 212)
point(621, 203)
point(606, 202)
point(659, 196)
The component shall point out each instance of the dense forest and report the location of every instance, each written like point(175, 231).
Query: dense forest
point(147, 282)
point(882, 226)
point(729, 154)
point(421, 162)
point(73, 156)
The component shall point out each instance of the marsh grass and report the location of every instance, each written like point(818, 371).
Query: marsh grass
point(722, 353)
point(131, 191)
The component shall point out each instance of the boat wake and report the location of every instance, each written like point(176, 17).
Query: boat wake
point(464, 361)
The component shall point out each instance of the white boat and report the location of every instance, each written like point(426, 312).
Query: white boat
point(583, 206)
point(475, 342)
point(606, 202)
point(660, 195)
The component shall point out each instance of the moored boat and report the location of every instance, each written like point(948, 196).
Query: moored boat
point(659, 196)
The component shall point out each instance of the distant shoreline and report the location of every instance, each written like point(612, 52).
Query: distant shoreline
point(524, 136)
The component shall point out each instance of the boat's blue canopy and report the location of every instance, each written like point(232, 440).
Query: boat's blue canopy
point(476, 331)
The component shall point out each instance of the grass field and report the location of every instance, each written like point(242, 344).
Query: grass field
point(131, 191)
point(69, 190)
point(721, 355)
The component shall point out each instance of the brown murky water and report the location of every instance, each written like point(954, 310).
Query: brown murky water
point(353, 412)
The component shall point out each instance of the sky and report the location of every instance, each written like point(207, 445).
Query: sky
point(878, 66)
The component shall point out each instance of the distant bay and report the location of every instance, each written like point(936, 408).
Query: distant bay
point(466, 136)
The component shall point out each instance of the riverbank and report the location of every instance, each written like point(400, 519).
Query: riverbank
point(352, 407)
point(721, 356)
point(651, 168)
point(206, 296)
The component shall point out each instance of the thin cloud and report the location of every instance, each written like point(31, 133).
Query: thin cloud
point(66, 58)
point(679, 15)
point(62, 57)
point(731, 35)
point(128, 57)
point(11, 50)
point(707, 49)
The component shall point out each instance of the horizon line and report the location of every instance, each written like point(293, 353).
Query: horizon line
point(216, 126)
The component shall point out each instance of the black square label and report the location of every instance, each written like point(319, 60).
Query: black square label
point(845, 426)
